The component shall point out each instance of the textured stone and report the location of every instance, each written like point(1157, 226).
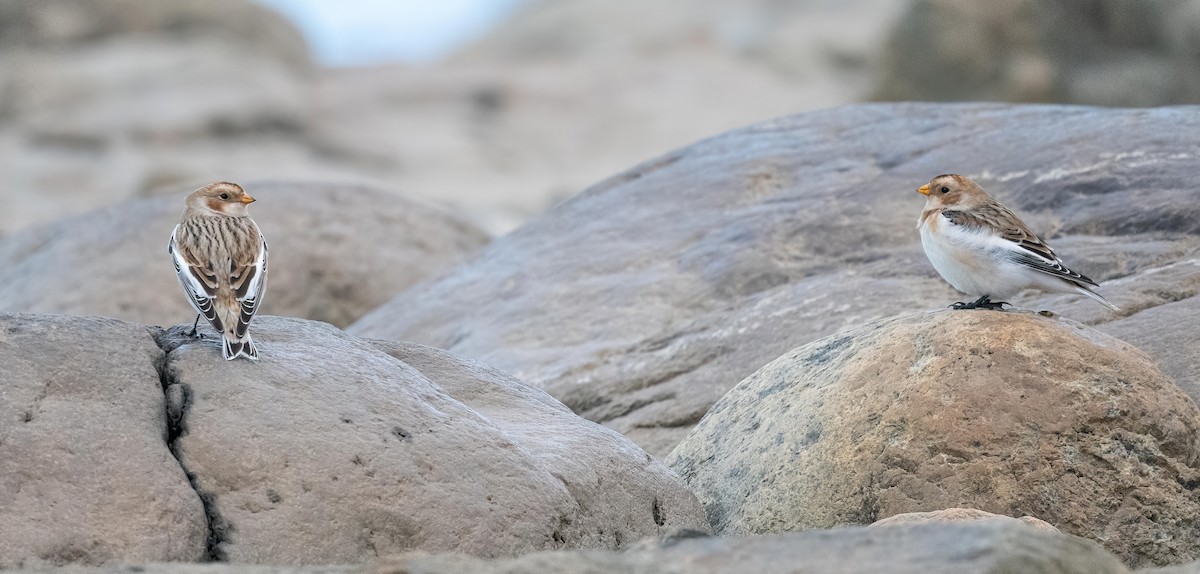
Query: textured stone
point(85, 471)
point(958, 515)
point(336, 251)
point(329, 450)
point(641, 301)
point(1010, 413)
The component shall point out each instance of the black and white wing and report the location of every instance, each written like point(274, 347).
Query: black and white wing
point(199, 283)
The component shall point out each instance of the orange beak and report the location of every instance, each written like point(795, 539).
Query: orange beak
point(923, 190)
point(246, 199)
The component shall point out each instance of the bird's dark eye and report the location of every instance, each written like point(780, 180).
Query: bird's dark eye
point(945, 190)
point(226, 195)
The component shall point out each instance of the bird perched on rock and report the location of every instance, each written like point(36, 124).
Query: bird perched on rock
point(221, 261)
point(983, 249)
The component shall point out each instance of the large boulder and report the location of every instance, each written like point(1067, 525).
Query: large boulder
point(330, 449)
point(85, 470)
point(1117, 53)
point(1010, 413)
point(336, 252)
point(642, 300)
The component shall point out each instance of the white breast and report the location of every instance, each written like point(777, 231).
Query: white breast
point(973, 261)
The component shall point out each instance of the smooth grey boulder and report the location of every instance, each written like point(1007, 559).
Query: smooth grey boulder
point(330, 450)
point(642, 300)
point(86, 476)
point(336, 252)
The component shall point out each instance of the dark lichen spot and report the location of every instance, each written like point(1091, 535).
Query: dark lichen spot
point(273, 496)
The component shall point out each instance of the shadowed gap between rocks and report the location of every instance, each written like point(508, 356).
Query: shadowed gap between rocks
point(177, 398)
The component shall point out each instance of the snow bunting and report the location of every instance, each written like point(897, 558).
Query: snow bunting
point(221, 261)
point(983, 249)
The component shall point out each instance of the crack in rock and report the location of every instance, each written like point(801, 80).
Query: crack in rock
point(178, 399)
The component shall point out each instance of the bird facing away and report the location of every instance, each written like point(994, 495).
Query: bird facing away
point(221, 261)
point(984, 250)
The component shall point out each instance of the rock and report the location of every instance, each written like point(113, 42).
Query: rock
point(641, 301)
point(336, 251)
point(1119, 54)
point(105, 99)
point(918, 548)
point(1010, 413)
point(924, 548)
point(1191, 568)
point(84, 466)
point(329, 450)
point(28, 24)
point(794, 41)
point(958, 515)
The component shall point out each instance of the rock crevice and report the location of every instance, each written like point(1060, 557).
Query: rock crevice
point(177, 398)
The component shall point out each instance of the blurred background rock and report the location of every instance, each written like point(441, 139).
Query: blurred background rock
point(508, 106)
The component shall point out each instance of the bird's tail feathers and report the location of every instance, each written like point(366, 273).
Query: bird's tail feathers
point(1097, 297)
point(243, 347)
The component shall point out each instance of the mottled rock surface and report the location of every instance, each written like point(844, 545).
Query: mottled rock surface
point(85, 471)
point(958, 515)
point(1010, 413)
point(336, 251)
point(1116, 54)
point(642, 300)
point(329, 450)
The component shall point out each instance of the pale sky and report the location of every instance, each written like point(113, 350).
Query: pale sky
point(361, 32)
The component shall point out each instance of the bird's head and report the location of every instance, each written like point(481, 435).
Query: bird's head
point(950, 190)
point(222, 198)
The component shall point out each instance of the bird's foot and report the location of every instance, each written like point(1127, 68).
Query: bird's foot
point(981, 303)
point(194, 334)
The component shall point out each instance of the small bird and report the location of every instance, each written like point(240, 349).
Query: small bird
point(221, 260)
point(983, 249)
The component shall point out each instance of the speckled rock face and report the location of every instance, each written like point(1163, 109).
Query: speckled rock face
point(1010, 413)
point(641, 301)
point(336, 252)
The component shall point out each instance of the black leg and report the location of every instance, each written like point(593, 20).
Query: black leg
point(981, 303)
point(194, 324)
